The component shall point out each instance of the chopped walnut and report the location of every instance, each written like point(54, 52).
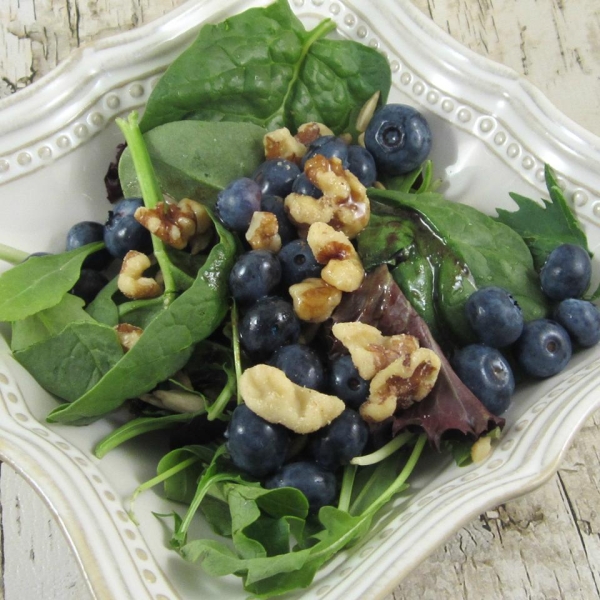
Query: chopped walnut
point(263, 232)
point(314, 300)
point(128, 335)
point(344, 204)
point(402, 383)
point(343, 268)
point(130, 281)
point(282, 144)
point(371, 351)
point(269, 393)
point(175, 224)
point(309, 132)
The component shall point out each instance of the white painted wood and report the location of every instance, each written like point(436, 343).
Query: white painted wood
point(545, 545)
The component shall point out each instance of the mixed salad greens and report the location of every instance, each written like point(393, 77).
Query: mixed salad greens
point(423, 256)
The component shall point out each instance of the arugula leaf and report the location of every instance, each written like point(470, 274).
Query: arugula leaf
point(40, 282)
point(197, 159)
point(544, 226)
point(166, 344)
point(74, 361)
point(262, 67)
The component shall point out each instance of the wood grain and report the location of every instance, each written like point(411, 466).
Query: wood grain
point(545, 545)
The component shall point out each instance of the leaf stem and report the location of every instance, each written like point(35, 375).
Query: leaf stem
point(383, 452)
point(12, 255)
point(237, 355)
point(347, 484)
point(216, 408)
point(151, 192)
point(159, 479)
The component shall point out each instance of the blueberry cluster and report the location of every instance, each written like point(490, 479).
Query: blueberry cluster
point(120, 233)
point(542, 347)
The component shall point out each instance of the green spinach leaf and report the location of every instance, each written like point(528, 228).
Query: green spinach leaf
point(46, 323)
point(166, 344)
point(544, 227)
point(74, 361)
point(263, 67)
point(197, 159)
point(40, 282)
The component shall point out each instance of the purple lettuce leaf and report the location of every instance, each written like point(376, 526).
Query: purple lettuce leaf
point(451, 406)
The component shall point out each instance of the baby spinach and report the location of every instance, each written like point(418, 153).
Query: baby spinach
point(197, 159)
point(544, 226)
point(167, 342)
point(40, 282)
point(74, 361)
point(467, 249)
point(263, 67)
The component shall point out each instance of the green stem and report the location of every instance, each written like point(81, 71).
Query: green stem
point(237, 355)
point(12, 255)
point(159, 479)
point(383, 452)
point(151, 192)
point(347, 484)
point(217, 407)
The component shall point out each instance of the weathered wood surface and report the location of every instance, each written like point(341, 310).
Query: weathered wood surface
point(545, 545)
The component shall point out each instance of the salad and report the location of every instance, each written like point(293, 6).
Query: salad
point(193, 348)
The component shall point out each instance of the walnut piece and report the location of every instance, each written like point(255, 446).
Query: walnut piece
point(371, 351)
point(402, 383)
point(130, 281)
point(344, 204)
point(282, 144)
point(175, 224)
point(263, 232)
point(269, 393)
point(314, 300)
point(343, 268)
point(309, 132)
point(128, 335)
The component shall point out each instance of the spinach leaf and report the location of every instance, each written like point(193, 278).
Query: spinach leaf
point(263, 67)
point(40, 282)
point(544, 227)
point(74, 361)
point(103, 308)
point(167, 342)
point(46, 323)
point(480, 251)
point(197, 159)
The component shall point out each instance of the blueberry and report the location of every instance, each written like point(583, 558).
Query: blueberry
point(255, 274)
point(88, 232)
point(301, 364)
point(275, 205)
point(544, 348)
point(318, 485)
point(486, 372)
point(237, 203)
point(298, 262)
point(276, 177)
point(303, 185)
point(362, 164)
point(399, 139)
point(581, 319)
point(566, 273)
point(123, 233)
point(346, 383)
point(255, 445)
point(495, 317)
point(268, 324)
point(328, 146)
point(88, 285)
point(340, 441)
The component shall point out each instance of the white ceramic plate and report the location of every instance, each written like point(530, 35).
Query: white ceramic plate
point(493, 132)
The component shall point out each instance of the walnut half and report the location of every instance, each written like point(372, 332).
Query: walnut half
point(269, 393)
point(402, 383)
point(130, 281)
